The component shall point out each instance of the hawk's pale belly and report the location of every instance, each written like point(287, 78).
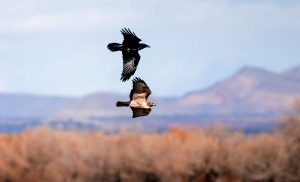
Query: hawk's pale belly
point(139, 103)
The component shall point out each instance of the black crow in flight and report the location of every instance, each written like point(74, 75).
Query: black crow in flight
point(129, 48)
point(138, 103)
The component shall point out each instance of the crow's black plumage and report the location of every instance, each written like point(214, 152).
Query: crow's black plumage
point(129, 47)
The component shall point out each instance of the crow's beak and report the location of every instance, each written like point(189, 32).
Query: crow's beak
point(148, 46)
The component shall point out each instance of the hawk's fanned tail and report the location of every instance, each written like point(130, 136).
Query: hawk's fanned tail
point(122, 104)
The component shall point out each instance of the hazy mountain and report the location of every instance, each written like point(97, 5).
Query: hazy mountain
point(93, 105)
point(251, 97)
point(293, 73)
point(251, 91)
point(26, 105)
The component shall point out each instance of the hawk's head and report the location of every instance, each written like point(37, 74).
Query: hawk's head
point(151, 104)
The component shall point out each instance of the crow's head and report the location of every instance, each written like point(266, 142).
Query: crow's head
point(142, 46)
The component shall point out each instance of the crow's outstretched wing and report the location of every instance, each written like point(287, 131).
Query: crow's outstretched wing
point(139, 87)
point(130, 39)
point(131, 57)
point(130, 62)
point(137, 112)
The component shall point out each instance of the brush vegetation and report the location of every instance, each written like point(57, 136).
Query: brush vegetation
point(182, 155)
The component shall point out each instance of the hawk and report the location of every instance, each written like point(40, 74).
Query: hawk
point(130, 51)
point(138, 103)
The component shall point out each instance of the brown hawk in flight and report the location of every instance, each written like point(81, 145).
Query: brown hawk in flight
point(138, 103)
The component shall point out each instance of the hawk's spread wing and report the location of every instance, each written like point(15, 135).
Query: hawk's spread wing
point(136, 112)
point(130, 62)
point(130, 39)
point(139, 87)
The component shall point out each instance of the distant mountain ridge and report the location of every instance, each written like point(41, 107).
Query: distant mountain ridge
point(252, 94)
point(293, 73)
point(28, 105)
point(93, 105)
point(249, 90)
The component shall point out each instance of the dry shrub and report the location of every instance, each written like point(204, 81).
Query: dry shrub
point(291, 161)
point(193, 154)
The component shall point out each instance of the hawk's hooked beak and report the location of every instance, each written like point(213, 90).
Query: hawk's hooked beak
point(153, 104)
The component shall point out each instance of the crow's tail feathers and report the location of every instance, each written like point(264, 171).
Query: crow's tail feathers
point(122, 104)
point(114, 47)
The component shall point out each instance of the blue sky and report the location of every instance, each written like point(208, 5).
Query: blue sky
point(56, 47)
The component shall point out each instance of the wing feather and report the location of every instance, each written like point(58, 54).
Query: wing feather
point(137, 112)
point(139, 87)
point(130, 39)
point(130, 62)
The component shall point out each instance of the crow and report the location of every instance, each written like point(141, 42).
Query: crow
point(129, 48)
point(138, 103)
